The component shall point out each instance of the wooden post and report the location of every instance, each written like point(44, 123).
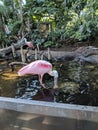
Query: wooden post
point(38, 47)
point(36, 54)
point(13, 50)
point(42, 57)
point(49, 57)
point(23, 55)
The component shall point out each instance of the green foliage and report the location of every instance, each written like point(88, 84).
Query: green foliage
point(48, 44)
point(85, 25)
point(2, 8)
point(4, 39)
point(87, 30)
point(15, 27)
point(36, 37)
point(70, 18)
point(58, 35)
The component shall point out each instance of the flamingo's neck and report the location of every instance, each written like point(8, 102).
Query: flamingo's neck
point(51, 73)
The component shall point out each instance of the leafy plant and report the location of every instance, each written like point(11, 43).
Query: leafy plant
point(48, 44)
point(4, 39)
point(36, 37)
point(15, 27)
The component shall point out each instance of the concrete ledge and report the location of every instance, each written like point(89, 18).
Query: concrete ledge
point(78, 112)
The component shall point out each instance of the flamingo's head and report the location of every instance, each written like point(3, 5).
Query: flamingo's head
point(55, 73)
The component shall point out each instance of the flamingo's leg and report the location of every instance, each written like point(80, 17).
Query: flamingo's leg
point(40, 80)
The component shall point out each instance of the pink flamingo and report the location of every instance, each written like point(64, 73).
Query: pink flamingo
point(29, 43)
point(39, 67)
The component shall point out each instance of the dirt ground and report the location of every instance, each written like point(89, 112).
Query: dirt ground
point(72, 47)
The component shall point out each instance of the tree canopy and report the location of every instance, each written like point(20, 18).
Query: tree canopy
point(75, 19)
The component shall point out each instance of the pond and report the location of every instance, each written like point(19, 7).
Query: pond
point(77, 84)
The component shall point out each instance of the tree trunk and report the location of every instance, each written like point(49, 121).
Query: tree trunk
point(1, 25)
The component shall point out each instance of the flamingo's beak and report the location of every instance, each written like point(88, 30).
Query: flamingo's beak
point(55, 83)
point(55, 73)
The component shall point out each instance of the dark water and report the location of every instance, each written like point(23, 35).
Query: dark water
point(78, 84)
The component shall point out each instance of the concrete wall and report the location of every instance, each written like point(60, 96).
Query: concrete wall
point(20, 114)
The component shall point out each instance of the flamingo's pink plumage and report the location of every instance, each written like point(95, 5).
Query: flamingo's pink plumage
point(29, 43)
point(39, 67)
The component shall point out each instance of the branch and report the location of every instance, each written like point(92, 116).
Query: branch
point(12, 64)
